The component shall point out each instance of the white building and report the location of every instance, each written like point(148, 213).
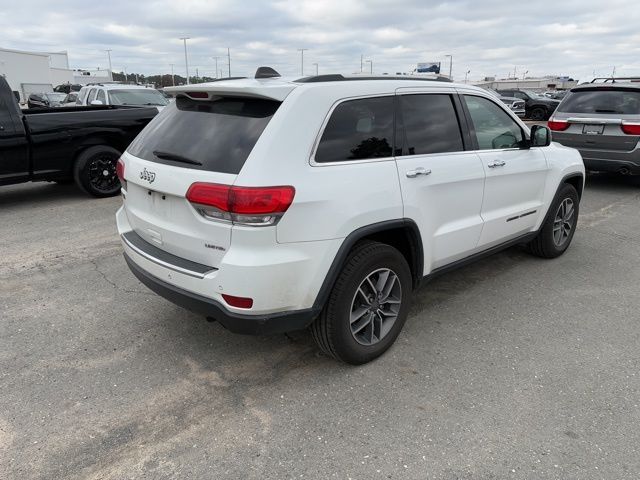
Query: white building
point(33, 72)
point(535, 84)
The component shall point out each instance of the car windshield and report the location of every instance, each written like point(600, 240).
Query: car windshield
point(602, 100)
point(55, 97)
point(137, 96)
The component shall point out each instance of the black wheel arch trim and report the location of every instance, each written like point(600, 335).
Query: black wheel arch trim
point(415, 239)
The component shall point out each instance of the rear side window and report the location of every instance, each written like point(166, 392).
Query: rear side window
point(217, 135)
point(602, 100)
point(357, 130)
point(92, 96)
point(430, 125)
point(102, 97)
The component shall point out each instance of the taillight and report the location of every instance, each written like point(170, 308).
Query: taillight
point(120, 172)
point(558, 125)
point(631, 128)
point(238, 302)
point(255, 206)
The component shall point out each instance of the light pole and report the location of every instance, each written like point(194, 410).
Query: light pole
point(109, 57)
point(173, 78)
point(229, 60)
point(370, 62)
point(466, 75)
point(216, 59)
point(361, 62)
point(186, 60)
point(126, 76)
point(316, 68)
point(450, 65)
point(302, 50)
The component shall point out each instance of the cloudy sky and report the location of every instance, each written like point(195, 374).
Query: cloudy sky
point(489, 37)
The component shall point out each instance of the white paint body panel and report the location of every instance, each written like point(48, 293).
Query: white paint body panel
point(461, 208)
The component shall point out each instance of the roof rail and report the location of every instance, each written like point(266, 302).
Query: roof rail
point(336, 77)
point(615, 79)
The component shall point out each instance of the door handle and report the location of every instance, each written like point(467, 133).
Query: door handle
point(418, 171)
point(497, 163)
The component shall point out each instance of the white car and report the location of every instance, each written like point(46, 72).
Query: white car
point(121, 94)
point(272, 205)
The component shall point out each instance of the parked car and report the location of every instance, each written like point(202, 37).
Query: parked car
point(70, 100)
point(272, 205)
point(68, 88)
point(45, 100)
point(603, 122)
point(121, 94)
point(537, 106)
point(60, 144)
point(515, 104)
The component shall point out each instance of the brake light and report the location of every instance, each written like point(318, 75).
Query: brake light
point(238, 302)
point(204, 95)
point(558, 125)
point(120, 172)
point(255, 206)
point(631, 128)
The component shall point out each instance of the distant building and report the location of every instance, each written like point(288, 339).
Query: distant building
point(535, 84)
point(36, 72)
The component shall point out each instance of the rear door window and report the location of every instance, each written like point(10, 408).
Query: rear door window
point(102, 97)
point(357, 130)
point(428, 124)
point(92, 96)
point(605, 100)
point(217, 135)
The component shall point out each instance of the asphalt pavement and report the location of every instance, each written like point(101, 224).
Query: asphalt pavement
point(511, 368)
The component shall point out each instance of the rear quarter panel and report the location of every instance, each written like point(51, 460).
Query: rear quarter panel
point(331, 200)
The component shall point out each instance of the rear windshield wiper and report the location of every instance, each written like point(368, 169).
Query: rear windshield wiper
point(174, 157)
point(603, 110)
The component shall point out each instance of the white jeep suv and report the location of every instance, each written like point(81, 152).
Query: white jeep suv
point(273, 205)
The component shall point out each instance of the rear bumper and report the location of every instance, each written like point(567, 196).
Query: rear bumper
point(237, 323)
point(601, 159)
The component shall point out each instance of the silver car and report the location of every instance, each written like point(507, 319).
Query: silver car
point(603, 122)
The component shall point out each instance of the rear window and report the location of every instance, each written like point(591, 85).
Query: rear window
point(612, 101)
point(214, 135)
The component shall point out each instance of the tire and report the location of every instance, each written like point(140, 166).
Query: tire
point(538, 113)
point(95, 171)
point(551, 242)
point(332, 330)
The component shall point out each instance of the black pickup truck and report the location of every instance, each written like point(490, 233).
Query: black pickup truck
point(64, 144)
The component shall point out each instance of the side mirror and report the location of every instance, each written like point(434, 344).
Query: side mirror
point(96, 102)
point(540, 136)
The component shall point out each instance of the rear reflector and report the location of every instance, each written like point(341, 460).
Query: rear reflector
point(238, 302)
point(254, 206)
point(558, 125)
point(631, 128)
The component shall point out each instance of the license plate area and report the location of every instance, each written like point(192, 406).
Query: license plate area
point(593, 129)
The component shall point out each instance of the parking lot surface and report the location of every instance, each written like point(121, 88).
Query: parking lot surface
point(513, 367)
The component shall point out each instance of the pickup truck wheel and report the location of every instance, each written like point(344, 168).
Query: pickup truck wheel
point(538, 114)
point(558, 229)
point(95, 171)
point(368, 305)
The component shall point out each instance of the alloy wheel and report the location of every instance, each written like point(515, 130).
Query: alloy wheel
point(563, 222)
point(102, 173)
point(375, 306)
